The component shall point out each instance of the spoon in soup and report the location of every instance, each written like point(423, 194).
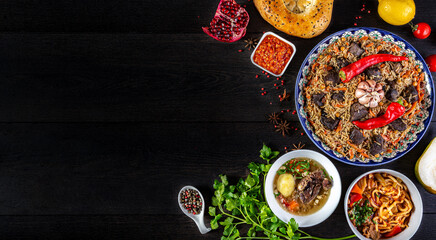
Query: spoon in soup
point(197, 217)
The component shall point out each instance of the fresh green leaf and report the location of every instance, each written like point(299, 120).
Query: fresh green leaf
point(230, 204)
point(227, 229)
point(298, 235)
point(250, 182)
point(293, 224)
point(274, 219)
point(251, 232)
point(216, 184)
point(267, 154)
point(227, 221)
point(289, 231)
point(224, 180)
point(254, 168)
point(212, 211)
point(215, 201)
point(214, 222)
point(235, 234)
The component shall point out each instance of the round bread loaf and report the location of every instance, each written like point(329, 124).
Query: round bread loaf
point(300, 18)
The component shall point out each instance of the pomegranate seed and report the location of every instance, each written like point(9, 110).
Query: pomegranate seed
point(262, 89)
point(257, 76)
point(302, 134)
point(355, 24)
point(240, 50)
point(369, 11)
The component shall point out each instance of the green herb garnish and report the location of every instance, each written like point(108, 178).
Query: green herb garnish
point(244, 203)
point(360, 212)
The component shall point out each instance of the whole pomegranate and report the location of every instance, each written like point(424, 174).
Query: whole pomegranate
point(229, 23)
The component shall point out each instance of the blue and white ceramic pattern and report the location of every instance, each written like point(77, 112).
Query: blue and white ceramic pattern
point(416, 132)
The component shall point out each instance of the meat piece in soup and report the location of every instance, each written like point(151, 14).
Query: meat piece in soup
point(302, 186)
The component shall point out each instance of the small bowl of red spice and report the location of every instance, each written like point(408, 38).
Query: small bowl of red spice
point(273, 54)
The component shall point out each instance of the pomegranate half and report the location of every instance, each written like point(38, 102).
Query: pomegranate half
point(229, 23)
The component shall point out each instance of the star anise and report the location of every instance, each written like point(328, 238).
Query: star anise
point(283, 127)
point(274, 118)
point(251, 43)
point(299, 146)
point(285, 96)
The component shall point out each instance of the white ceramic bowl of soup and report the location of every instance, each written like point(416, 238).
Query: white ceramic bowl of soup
point(415, 217)
point(325, 211)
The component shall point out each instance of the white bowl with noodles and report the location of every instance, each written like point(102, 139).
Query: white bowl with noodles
point(321, 214)
point(415, 217)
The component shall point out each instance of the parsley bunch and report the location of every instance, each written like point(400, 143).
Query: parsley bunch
point(245, 204)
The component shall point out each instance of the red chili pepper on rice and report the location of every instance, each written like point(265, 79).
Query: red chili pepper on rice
point(394, 111)
point(348, 72)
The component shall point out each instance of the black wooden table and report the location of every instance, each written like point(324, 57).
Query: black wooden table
point(109, 107)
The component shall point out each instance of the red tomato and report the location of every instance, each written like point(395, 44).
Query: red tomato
point(431, 62)
point(421, 30)
point(354, 197)
point(395, 231)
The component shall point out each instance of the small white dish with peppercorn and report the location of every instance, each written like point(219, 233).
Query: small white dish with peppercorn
point(304, 185)
point(191, 203)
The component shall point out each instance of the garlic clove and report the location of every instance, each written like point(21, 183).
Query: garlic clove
point(363, 85)
point(359, 93)
point(378, 87)
point(365, 99)
point(381, 94)
point(371, 83)
point(373, 103)
point(376, 98)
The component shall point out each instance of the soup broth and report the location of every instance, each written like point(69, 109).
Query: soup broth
point(302, 186)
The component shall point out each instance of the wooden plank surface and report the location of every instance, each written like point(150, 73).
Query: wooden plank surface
point(108, 108)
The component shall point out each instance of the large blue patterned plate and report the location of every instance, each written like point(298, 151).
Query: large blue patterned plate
point(417, 130)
